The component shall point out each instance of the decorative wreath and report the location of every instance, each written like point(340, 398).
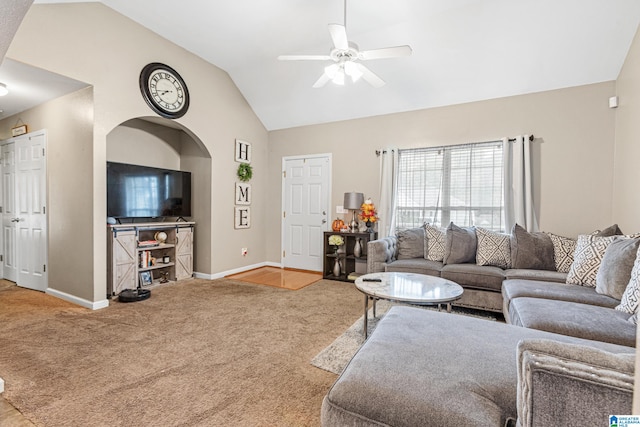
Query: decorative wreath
point(245, 172)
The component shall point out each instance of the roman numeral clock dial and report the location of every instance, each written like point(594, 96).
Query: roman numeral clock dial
point(164, 90)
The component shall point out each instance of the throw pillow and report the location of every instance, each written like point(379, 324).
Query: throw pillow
point(615, 269)
point(612, 230)
point(631, 296)
point(460, 245)
point(435, 242)
point(563, 249)
point(493, 248)
point(633, 319)
point(587, 258)
point(411, 243)
point(531, 250)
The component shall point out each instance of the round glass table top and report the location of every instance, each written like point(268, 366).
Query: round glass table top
point(409, 287)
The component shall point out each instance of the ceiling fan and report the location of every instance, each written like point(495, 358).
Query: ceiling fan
point(346, 56)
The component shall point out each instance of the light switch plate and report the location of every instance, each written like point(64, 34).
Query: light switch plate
point(340, 210)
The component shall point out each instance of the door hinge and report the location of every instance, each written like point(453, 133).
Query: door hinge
point(43, 152)
point(0, 209)
point(1, 258)
point(284, 254)
point(44, 209)
point(284, 214)
point(44, 268)
point(284, 174)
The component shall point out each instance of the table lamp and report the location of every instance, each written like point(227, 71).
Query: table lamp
point(353, 201)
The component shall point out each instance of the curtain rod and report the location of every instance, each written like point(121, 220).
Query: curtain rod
point(531, 138)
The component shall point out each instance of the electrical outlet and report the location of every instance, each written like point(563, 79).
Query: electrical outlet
point(245, 251)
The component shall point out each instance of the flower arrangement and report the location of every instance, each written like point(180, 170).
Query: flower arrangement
point(336, 240)
point(368, 212)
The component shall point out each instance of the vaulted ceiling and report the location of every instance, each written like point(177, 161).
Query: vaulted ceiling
point(463, 50)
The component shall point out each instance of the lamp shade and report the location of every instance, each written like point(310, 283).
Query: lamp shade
point(353, 200)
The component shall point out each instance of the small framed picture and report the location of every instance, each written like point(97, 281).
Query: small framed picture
point(145, 278)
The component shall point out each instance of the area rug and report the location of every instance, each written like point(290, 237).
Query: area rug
point(337, 355)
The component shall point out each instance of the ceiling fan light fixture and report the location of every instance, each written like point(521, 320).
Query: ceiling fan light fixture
point(331, 70)
point(3, 89)
point(339, 78)
point(352, 70)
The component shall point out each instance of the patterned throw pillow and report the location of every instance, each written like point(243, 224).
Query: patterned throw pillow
point(434, 244)
point(631, 297)
point(493, 248)
point(587, 258)
point(563, 249)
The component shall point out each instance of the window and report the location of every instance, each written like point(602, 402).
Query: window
point(461, 183)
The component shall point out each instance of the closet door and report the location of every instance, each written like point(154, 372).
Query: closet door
point(24, 221)
point(9, 250)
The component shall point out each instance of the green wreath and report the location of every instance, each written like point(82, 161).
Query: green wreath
point(245, 172)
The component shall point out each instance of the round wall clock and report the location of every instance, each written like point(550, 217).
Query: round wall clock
point(164, 90)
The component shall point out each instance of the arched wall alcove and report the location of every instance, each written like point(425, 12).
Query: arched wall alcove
point(163, 143)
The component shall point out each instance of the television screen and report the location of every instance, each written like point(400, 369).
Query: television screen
point(135, 191)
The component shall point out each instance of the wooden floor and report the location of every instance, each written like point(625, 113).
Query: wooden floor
point(278, 277)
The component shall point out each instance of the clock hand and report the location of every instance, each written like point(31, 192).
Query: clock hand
point(162, 92)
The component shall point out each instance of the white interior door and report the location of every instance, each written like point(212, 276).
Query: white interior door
point(25, 223)
point(9, 250)
point(306, 190)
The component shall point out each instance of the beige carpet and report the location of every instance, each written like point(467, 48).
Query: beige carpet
point(197, 353)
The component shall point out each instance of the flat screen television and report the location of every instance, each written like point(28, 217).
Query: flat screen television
point(135, 191)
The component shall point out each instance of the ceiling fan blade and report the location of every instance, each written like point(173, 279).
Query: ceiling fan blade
point(339, 36)
point(386, 52)
point(304, 57)
point(324, 78)
point(370, 77)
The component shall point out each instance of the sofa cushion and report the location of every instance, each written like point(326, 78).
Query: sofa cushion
point(587, 259)
point(542, 275)
point(612, 230)
point(474, 276)
point(411, 243)
point(415, 265)
point(493, 248)
point(631, 297)
point(512, 289)
point(586, 321)
point(424, 368)
point(460, 245)
point(435, 242)
point(531, 250)
point(615, 269)
point(563, 249)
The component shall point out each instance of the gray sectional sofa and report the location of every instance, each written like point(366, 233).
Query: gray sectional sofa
point(564, 357)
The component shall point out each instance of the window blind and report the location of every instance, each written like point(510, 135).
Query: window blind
point(460, 183)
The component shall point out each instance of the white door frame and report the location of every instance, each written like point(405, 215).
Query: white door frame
point(329, 158)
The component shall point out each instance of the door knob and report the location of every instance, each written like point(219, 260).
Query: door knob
point(324, 221)
point(15, 219)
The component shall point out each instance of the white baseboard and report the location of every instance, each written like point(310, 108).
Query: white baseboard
point(222, 274)
point(1, 386)
point(76, 300)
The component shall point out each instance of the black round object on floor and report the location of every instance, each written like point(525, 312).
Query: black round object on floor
point(134, 295)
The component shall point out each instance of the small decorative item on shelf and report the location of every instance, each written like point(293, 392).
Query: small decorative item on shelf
point(336, 267)
point(336, 240)
point(337, 225)
point(160, 237)
point(165, 277)
point(166, 259)
point(357, 248)
point(368, 214)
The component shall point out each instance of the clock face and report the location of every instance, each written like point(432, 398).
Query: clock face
point(164, 90)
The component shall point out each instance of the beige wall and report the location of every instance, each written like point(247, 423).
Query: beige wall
point(92, 43)
point(574, 130)
point(69, 124)
point(626, 203)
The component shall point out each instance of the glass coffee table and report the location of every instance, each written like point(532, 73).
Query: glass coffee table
point(409, 288)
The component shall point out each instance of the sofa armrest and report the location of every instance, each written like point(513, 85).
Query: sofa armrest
point(381, 252)
point(571, 385)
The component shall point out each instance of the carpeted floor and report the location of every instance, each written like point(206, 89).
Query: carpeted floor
point(197, 353)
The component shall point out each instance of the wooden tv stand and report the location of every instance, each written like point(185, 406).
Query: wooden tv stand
point(127, 258)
